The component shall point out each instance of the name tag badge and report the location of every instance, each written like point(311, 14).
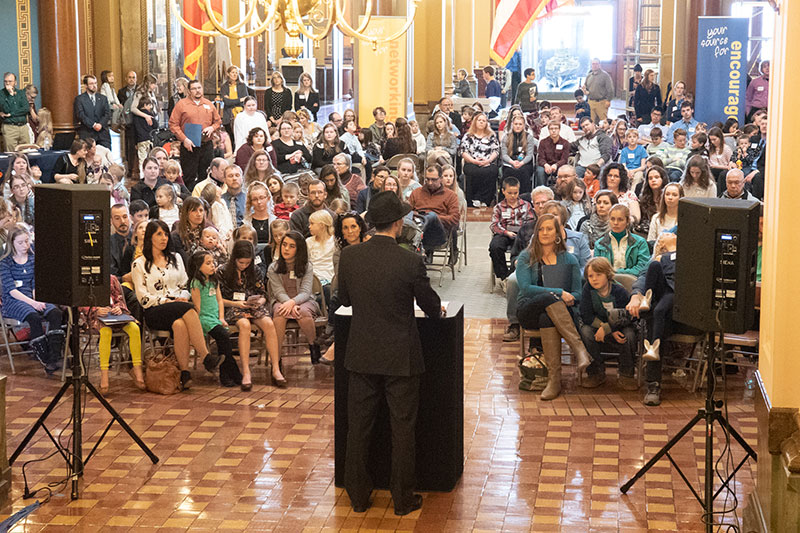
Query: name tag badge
point(571, 249)
point(631, 156)
point(673, 255)
point(238, 296)
point(506, 213)
point(17, 283)
point(761, 88)
point(292, 276)
point(674, 108)
point(212, 291)
point(303, 96)
point(753, 145)
point(206, 106)
point(559, 147)
point(257, 260)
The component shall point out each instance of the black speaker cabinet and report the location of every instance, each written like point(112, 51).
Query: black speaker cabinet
point(715, 277)
point(72, 237)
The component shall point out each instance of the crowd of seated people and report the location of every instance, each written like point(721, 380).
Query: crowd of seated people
point(619, 184)
point(279, 178)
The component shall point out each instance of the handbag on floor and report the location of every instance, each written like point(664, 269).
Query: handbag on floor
point(161, 372)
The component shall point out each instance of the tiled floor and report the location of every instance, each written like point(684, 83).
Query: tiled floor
point(263, 461)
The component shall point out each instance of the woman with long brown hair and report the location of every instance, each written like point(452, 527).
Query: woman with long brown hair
point(403, 143)
point(516, 151)
point(543, 305)
point(327, 146)
point(697, 180)
point(646, 97)
point(259, 168)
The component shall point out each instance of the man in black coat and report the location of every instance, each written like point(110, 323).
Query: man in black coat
point(380, 280)
point(93, 113)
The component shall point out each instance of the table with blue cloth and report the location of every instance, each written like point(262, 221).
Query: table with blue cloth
point(44, 159)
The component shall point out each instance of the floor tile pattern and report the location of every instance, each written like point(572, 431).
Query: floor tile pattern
point(263, 461)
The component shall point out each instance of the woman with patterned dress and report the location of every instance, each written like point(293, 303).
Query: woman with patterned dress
point(245, 299)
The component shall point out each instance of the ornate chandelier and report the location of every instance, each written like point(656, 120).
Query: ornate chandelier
point(293, 16)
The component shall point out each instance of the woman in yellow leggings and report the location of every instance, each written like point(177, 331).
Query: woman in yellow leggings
point(131, 328)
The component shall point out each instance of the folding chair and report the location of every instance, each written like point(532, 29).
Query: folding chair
point(7, 326)
point(443, 259)
point(293, 331)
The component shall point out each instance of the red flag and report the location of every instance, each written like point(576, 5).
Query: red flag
point(512, 19)
point(194, 13)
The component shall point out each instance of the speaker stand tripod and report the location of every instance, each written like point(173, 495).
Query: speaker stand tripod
point(709, 414)
point(75, 463)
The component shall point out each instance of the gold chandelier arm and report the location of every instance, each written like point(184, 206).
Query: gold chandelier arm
point(186, 25)
point(349, 31)
point(297, 19)
point(340, 12)
point(226, 31)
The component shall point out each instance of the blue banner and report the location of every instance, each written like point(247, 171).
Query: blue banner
point(721, 69)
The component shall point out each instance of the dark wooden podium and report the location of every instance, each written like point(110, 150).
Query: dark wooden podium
point(440, 422)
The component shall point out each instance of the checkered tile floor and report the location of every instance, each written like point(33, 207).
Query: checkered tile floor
point(263, 461)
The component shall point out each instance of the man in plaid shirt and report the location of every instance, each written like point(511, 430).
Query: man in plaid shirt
point(507, 218)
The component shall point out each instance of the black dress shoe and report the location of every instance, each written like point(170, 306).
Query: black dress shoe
point(246, 387)
point(186, 379)
point(227, 381)
point(280, 383)
point(416, 504)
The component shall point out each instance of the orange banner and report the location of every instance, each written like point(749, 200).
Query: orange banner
point(194, 13)
point(383, 77)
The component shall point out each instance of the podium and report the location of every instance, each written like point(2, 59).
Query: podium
point(440, 421)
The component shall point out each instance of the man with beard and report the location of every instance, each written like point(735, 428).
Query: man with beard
point(316, 202)
point(438, 205)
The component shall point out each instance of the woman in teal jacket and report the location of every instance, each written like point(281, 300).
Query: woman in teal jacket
point(626, 251)
point(546, 307)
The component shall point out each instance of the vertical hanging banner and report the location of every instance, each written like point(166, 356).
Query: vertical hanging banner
point(721, 68)
point(382, 72)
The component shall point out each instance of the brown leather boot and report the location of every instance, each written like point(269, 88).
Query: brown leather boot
point(562, 319)
point(551, 348)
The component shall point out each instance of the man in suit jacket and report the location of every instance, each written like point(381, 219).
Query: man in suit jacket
point(93, 113)
point(380, 280)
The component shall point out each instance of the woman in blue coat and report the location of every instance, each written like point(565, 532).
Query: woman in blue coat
point(544, 306)
point(19, 300)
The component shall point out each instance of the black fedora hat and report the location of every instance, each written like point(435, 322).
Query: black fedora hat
point(385, 207)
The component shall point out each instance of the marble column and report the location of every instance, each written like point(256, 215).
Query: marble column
point(58, 53)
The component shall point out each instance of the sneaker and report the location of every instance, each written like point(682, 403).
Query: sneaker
point(512, 333)
point(627, 383)
point(653, 394)
point(592, 381)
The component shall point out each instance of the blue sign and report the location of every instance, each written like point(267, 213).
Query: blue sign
point(721, 68)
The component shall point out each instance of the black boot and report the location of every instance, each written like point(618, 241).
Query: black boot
point(55, 342)
point(315, 353)
point(229, 373)
point(41, 351)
